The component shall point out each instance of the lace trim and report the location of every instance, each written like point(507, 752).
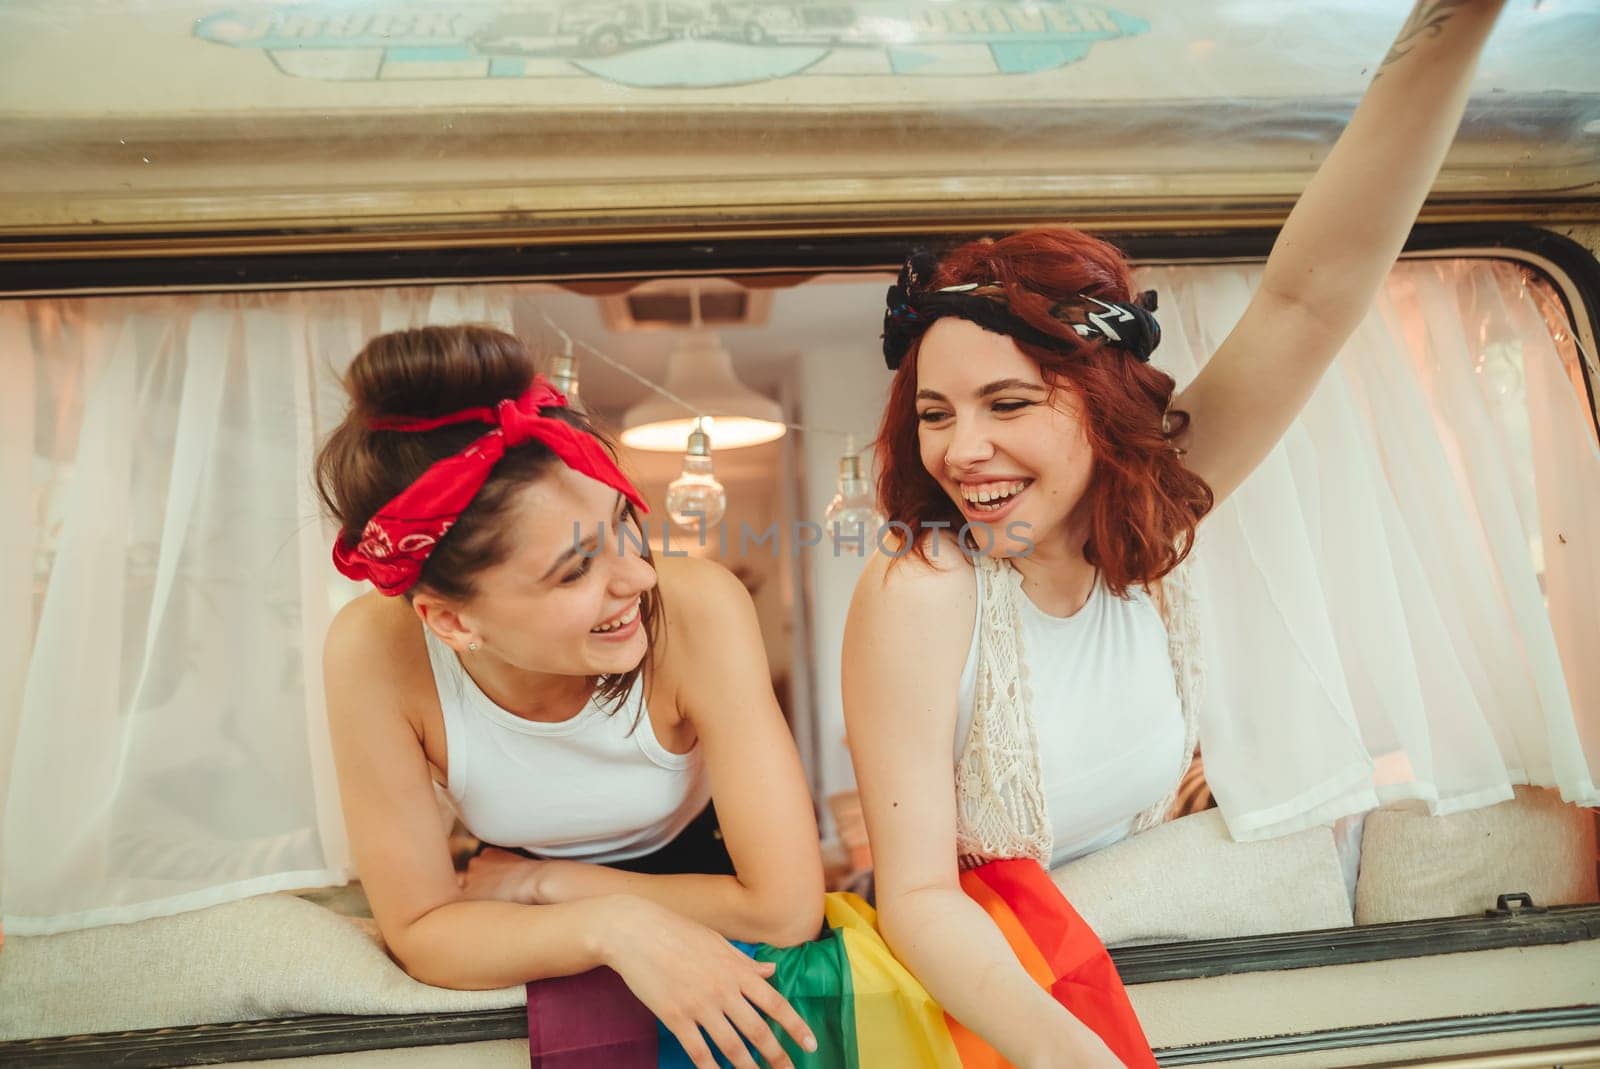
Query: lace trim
point(1184, 646)
point(999, 778)
point(1000, 802)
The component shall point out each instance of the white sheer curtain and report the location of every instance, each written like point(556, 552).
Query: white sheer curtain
point(1401, 603)
point(163, 600)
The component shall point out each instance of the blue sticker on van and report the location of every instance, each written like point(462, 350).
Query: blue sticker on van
point(667, 43)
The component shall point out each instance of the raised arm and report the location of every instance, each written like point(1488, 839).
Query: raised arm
point(687, 974)
point(724, 686)
point(905, 639)
point(1338, 244)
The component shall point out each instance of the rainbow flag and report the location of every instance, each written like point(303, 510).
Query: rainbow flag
point(867, 1011)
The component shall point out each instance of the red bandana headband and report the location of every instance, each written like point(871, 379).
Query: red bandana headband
point(395, 543)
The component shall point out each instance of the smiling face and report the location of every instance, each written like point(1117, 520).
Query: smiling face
point(1008, 450)
point(553, 607)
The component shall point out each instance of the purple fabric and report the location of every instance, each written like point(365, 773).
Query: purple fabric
point(589, 1021)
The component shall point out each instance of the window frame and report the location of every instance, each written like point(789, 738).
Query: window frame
point(326, 1034)
point(74, 267)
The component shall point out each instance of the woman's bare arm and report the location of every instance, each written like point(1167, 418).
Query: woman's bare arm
point(690, 977)
point(906, 637)
point(1338, 244)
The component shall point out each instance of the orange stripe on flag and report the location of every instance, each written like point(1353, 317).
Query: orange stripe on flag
point(1062, 937)
point(1022, 944)
point(974, 1052)
point(1084, 978)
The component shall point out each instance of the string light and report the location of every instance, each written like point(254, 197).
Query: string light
point(852, 516)
point(564, 375)
point(696, 501)
point(696, 497)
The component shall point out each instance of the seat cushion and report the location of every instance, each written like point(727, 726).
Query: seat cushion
point(1414, 865)
point(1188, 879)
point(269, 956)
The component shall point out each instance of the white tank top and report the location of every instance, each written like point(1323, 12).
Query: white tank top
point(1106, 709)
point(592, 788)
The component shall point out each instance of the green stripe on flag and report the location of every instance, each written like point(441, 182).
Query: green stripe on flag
point(815, 978)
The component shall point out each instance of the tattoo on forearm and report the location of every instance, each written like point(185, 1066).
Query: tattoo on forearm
point(1427, 19)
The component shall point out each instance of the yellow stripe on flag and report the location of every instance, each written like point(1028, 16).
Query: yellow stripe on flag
point(898, 1025)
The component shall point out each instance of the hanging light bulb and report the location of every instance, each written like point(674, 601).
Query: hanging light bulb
point(564, 366)
point(852, 515)
point(564, 375)
point(696, 498)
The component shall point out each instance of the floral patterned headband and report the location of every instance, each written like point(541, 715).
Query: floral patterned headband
point(913, 307)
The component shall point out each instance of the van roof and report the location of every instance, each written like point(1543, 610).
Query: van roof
point(549, 115)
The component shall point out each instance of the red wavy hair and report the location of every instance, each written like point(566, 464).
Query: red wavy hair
point(1142, 503)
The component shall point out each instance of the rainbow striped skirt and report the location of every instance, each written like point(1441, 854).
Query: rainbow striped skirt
point(867, 1011)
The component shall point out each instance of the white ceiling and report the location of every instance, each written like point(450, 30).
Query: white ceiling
point(831, 318)
point(829, 314)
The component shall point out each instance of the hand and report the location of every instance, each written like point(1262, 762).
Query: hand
point(503, 876)
point(692, 979)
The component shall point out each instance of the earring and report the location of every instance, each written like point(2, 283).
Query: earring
point(473, 647)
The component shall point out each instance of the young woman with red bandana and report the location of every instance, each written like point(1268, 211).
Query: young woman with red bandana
point(578, 700)
point(1023, 411)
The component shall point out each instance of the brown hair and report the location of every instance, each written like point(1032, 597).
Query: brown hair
point(1142, 503)
point(433, 371)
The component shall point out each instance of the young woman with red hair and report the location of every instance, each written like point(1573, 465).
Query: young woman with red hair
point(1050, 480)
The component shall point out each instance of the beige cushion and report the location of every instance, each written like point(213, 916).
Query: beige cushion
point(1414, 865)
point(270, 956)
point(1188, 879)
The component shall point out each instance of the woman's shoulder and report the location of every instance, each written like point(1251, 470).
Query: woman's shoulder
point(711, 641)
point(938, 567)
point(376, 642)
point(937, 588)
point(694, 589)
point(705, 610)
point(908, 635)
point(359, 625)
point(372, 624)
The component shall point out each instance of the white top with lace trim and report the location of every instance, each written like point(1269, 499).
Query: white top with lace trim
point(1114, 693)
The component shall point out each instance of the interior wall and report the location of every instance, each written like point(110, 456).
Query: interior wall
point(751, 478)
point(818, 353)
point(841, 387)
point(795, 591)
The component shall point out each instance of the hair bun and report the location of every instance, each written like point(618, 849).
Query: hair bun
point(430, 371)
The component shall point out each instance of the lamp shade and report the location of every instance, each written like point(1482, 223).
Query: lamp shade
point(700, 371)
